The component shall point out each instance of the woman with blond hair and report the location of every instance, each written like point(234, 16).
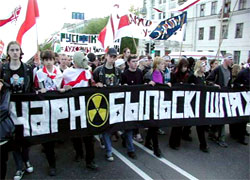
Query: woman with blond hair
point(198, 78)
point(155, 76)
point(235, 71)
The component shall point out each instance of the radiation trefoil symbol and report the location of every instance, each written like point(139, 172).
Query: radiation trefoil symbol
point(97, 110)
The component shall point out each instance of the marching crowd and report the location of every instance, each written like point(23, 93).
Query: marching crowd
point(62, 73)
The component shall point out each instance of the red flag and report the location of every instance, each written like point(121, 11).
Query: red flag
point(106, 36)
point(124, 21)
point(18, 22)
point(31, 14)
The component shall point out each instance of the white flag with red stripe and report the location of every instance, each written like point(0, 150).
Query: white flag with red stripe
point(115, 23)
point(107, 35)
point(18, 19)
point(76, 77)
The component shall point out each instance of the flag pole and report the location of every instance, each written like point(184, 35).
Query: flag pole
point(180, 49)
point(37, 39)
point(135, 45)
point(182, 42)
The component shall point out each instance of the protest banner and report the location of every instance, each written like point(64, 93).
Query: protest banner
point(73, 42)
point(85, 111)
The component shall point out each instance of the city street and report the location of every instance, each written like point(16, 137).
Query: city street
point(186, 163)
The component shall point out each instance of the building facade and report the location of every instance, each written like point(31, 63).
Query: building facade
point(209, 23)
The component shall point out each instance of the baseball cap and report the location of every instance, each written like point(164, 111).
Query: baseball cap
point(80, 60)
point(112, 52)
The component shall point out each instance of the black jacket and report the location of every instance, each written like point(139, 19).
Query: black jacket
point(217, 77)
point(243, 79)
point(99, 75)
point(196, 80)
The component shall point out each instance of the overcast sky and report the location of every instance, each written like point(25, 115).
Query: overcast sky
point(53, 13)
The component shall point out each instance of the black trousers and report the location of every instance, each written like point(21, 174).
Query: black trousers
point(178, 132)
point(89, 147)
point(152, 135)
point(49, 149)
point(201, 135)
point(186, 131)
point(4, 151)
point(238, 130)
point(175, 136)
point(11, 145)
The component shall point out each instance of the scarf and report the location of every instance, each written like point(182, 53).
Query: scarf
point(50, 75)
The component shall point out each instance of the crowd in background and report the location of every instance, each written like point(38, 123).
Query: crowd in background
point(49, 71)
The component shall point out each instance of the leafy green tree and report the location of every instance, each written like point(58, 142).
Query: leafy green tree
point(134, 10)
point(94, 26)
point(47, 46)
point(128, 42)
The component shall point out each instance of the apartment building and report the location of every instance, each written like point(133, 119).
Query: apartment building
point(209, 23)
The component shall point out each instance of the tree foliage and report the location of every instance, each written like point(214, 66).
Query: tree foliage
point(94, 26)
point(134, 10)
point(128, 42)
point(47, 46)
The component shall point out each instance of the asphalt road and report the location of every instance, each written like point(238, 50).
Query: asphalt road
point(186, 163)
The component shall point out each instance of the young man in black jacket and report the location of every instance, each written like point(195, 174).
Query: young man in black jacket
point(18, 78)
point(108, 75)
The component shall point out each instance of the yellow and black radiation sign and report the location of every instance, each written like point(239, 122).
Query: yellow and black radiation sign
point(97, 110)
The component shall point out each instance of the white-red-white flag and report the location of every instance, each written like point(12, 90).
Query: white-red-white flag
point(76, 77)
point(185, 6)
point(18, 23)
point(115, 23)
point(107, 34)
point(137, 27)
